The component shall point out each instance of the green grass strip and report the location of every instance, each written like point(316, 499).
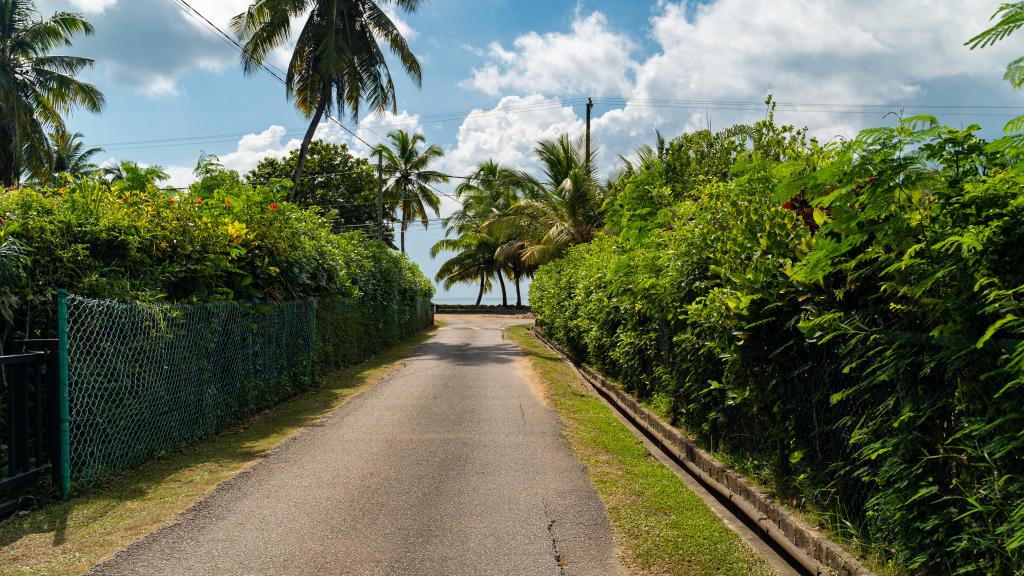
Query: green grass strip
point(661, 526)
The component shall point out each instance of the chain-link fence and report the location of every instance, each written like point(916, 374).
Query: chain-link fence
point(147, 378)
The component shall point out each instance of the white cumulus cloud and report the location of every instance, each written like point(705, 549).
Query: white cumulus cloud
point(712, 63)
point(277, 141)
point(509, 132)
point(93, 6)
point(590, 58)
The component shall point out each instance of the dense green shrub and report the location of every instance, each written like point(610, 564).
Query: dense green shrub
point(193, 308)
point(220, 240)
point(842, 321)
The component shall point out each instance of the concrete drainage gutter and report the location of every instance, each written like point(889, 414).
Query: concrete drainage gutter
point(811, 549)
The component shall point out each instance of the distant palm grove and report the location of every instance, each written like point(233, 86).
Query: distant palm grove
point(840, 321)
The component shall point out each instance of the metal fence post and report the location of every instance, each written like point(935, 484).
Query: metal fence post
point(62, 392)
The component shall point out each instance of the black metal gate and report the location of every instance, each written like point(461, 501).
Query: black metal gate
point(29, 435)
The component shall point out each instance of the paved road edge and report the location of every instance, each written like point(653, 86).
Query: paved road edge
point(812, 549)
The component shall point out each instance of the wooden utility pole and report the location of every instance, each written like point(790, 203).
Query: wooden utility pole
point(590, 109)
point(380, 193)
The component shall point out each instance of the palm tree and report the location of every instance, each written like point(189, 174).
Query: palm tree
point(557, 211)
point(646, 156)
point(488, 193)
point(70, 156)
point(133, 176)
point(337, 61)
point(410, 182)
point(512, 256)
point(37, 89)
point(474, 261)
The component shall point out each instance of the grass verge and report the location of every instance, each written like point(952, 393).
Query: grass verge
point(70, 537)
point(662, 528)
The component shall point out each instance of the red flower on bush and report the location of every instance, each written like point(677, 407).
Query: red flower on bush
point(199, 201)
point(273, 205)
point(787, 206)
point(172, 200)
point(227, 203)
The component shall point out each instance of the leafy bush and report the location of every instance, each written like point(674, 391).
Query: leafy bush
point(842, 321)
point(220, 240)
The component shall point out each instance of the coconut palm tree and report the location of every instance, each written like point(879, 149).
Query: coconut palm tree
point(337, 61)
point(487, 194)
point(37, 89)
point(558, 210)
point(410, 181)
point(70, 156)
point(133, 176)
point(474, 261)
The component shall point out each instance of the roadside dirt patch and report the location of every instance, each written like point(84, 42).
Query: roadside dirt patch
point(538, 384)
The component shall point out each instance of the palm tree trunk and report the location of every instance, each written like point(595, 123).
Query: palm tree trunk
point(519, 295)
point(480, 296)
point(300, 163)
point(7, 179)
point(504, 297)
point(405, 225)
point(9, 170)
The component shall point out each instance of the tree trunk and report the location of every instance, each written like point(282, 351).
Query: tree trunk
point(9, 172)
point(480, 296)
point(405, 225)
point(504, 296)
point(308, 138)
point(519, 295)
point(8, 180)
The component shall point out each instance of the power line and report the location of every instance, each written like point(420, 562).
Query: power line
point(228, 137)
point(263, 66)
point(784, 104)
point(697, 105)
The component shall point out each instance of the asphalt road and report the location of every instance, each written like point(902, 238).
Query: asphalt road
point(452, 466)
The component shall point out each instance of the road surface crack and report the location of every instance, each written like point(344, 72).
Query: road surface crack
point(559, 560)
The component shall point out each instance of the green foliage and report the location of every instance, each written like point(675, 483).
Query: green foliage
point(38, 88)
point(483, 250)
point(842, 321)
point(70, 156)
point(410, 181)
point(341, 185)
point(559, 210)
point(337, 61)
point(221, 240)
point(1010, 19)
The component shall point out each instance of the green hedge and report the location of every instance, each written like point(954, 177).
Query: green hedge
point(843, 322)
point(192, 308)
point(221, 240)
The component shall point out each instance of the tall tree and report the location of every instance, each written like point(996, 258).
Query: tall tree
point(336, 181)
point(558, 210)
point(70, 156)
point(337, 62)
point(487, 194)
point(410, 180)
point(37, 89)
point(473, 262)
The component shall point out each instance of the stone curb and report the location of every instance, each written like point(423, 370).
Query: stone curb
point(812, 549)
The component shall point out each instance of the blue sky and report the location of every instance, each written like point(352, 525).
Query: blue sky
point(501, 74)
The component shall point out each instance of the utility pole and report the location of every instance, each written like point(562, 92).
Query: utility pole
point(380, 193)
point(590, 109)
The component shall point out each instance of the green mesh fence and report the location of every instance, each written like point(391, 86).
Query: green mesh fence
point(147, 378)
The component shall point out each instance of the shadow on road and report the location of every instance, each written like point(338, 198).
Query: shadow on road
point(469, 355)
